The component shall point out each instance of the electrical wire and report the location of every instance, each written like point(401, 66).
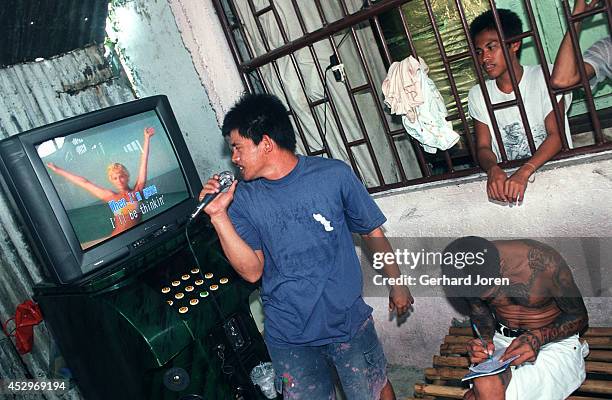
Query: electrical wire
point(328, 98)
point(226, 369)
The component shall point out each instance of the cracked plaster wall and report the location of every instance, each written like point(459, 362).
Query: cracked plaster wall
point(156, 54)
point(211, 55)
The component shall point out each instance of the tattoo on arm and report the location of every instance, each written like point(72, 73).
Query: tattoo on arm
point(573, 317)
point(532, 340)
point(481, 315)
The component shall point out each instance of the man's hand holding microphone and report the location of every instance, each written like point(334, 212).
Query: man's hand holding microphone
point(221, 185)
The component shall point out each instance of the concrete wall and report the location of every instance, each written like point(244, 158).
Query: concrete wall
point(203, 38)
point(154, 52)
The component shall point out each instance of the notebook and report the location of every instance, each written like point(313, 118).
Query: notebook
point(492, 366)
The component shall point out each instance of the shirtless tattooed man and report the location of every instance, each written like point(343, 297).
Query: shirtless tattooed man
point(536, 315)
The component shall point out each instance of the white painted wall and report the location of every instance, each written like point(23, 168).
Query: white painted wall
point(203, 38)
point(161, 64)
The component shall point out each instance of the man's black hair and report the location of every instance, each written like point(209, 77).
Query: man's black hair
point(255, 115)
point(511, 24)
point(483, 262)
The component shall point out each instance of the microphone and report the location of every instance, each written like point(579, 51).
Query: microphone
point(226, 178)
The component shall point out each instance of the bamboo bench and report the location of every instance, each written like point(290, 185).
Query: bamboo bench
point(443, 381)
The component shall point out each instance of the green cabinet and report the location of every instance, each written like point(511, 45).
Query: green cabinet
point(159, 327)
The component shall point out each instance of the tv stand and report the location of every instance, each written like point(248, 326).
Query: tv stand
point(159, 326)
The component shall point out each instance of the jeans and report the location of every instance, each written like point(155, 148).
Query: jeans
point(305, 372)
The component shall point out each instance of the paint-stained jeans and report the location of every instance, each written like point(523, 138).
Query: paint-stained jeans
point(305, 372)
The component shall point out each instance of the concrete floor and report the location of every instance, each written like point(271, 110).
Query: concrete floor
point(403, 379)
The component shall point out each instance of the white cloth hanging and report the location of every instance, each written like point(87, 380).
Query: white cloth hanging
point(409, 92)
point(402, 88)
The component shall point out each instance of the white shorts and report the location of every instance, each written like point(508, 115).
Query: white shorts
point(556, 373)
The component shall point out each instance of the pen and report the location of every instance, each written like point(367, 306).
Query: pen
point(484, 344)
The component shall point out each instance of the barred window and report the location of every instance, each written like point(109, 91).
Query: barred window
point(326, 60)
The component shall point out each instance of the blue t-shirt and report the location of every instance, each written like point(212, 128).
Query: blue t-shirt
point(312, 281)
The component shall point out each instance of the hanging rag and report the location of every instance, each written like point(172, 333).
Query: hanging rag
point(402, 88)
point(409, 92)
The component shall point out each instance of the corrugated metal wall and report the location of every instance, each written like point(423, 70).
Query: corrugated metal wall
point(43, 28)
point(32, 95)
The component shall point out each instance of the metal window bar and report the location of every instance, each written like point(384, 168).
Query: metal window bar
point(423, 166)
point(351, 93)
point(322, 33)
point(320, 11)
point(420, 156)
point(336, 116)
point(414, 53)
point(391, 135)
point(311, 105)
point(371, 13)
point(369, 87)
point(387, 59)
point(447, 159)
point(518, 98)
point(307, 147)
point(559, 114)
point(322, 76)
point(481, 80)
point(233, 45)
point(349, 145)
point(584, 81)
point(447, 68)
point(301, 134)
point(256, 16)
point(228, 29)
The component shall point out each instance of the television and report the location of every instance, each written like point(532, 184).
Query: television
point(96, 189)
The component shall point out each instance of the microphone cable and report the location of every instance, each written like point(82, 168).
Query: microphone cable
point(226, 178)
point(226, 369)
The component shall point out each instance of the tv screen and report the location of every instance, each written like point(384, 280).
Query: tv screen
point(94, 190)
point(115, 176)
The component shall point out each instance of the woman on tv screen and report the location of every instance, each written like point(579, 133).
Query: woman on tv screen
point(126, 213)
